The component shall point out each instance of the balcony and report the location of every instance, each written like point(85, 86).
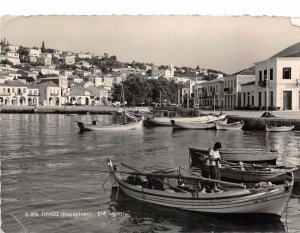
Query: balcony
point(33, 94)
point(227, 89)
point(54, 94)
point(4, 94)
point(262, 83)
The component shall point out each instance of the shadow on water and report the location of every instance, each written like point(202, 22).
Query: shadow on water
point(146, 217)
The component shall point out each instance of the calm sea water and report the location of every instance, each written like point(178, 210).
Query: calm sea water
point(52, 179)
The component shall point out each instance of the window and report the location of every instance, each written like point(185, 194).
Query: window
point(13, 90)
point(265, 74)
point(260, 75)
point(286, 73)
point(8, 90)
point(271, 74)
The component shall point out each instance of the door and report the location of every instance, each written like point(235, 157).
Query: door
point(287, 100)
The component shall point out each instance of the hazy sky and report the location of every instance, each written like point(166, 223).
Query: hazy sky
point(228, 44)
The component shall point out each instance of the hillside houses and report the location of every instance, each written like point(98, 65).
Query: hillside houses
point(53, 78)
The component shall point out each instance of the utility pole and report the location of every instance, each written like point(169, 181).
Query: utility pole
point(267, 90)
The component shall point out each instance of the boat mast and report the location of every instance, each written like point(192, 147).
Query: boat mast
point(123, 99)
point(267, 84)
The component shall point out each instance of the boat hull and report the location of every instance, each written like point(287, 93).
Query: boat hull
point(273, 201)
point(236, 155)
point(166, 121)
point(279, 128)
point(192, 125)
point(230, 126)
point(117, 127)
point(254, 176)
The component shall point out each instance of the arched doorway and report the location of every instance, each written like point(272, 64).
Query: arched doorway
point(29, 101)
point(87, 101)
point(73, 100)
point(22, 101)
point(79, 101)
point(51, 101)
point(6, 101)
point(14, 101)
point(57, 101)
point(34, 101)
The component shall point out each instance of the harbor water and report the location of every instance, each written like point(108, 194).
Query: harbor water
point(52, 176)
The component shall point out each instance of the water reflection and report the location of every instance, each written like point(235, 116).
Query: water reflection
point(48, 163)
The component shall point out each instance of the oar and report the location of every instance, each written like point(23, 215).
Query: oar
point(212, 180)
point(137, 172)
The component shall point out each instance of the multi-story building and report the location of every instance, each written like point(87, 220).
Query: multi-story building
point(16, 93)
point(34, 52)
point(232, 87)
point(211, 93)
point(69, 60)
point(84, 55)
point(49, 93)
point(277, 82)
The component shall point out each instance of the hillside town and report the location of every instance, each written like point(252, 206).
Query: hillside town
point(48, 77)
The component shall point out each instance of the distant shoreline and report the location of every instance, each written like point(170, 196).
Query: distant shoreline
point(63, 109)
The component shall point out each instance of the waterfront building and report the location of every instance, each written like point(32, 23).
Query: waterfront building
point(232, 87)
point(80, 95)
point(277, 82)
point(62, 82)
point(99, 95)
point(16, 93)
point(211, 94)
point(49, 93)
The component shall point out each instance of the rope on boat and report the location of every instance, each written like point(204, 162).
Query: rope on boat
point(18, 222)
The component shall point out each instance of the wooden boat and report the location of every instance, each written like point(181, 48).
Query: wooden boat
point(135, 125)
point(275, 128)
point(246, 173)
point(231, 126)
point(245, 155)
point(268, 199)
point(166, 121)
point(192, 125)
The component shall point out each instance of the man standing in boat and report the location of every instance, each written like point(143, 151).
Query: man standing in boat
point(213, 162)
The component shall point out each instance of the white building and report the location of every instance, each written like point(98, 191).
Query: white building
point(50, 93)
point(277, 82)
point(17, 93)
point(232, 87)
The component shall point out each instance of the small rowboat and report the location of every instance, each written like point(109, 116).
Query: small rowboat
point(269, 199)
point(166, 121)
point(192, 125)
point(275, 128)
point(244, 155)
point(231, 126)
point(246, 173)
point(114, 127)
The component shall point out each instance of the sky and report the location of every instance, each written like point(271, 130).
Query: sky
point(225, 43)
